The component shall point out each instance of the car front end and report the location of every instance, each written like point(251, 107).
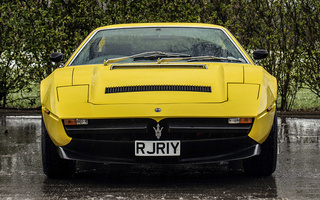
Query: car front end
point(155, 107)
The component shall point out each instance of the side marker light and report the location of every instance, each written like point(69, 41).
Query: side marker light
point(47, 111)
point(269, 109)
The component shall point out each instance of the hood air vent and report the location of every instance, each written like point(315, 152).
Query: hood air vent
point(146, 88)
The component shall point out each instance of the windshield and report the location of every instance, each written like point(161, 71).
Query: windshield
point(169, 41)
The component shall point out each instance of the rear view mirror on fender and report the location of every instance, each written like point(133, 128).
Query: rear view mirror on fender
point(260, 54)
point(56, 57)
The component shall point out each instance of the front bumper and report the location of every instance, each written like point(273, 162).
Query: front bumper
point(238, 145)
point(201, 151)
point(203, 140)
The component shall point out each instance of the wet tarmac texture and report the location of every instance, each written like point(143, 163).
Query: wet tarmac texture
point(297, 175)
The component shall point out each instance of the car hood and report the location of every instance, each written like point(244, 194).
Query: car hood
point(185, 83)
point(225, 89)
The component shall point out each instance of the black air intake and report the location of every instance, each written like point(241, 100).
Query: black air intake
point(147, 88)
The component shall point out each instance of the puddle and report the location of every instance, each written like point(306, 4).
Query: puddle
point(19, 143)
point(297, 130)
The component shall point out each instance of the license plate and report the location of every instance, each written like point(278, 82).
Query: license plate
point(157, 148)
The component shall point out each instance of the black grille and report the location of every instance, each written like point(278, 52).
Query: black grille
point(146, 88)
point(143, 129)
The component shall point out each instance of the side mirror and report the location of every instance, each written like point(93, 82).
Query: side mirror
point(260, 54)
point(56, 57)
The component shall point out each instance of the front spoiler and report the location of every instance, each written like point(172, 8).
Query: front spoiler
point(195, 151)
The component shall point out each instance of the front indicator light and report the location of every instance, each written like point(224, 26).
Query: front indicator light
point(74, 122)
point(240, 120)
point(269, 109)
point(47, 111)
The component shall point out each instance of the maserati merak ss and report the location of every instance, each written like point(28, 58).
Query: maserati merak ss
point(160, 93)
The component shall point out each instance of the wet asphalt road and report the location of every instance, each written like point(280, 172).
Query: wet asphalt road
point(297, 175)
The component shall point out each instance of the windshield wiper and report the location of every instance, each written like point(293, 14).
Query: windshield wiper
point(160, 54)
point(200, 58)
point(147, 55)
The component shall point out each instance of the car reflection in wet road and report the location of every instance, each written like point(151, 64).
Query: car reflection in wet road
point(297, 175)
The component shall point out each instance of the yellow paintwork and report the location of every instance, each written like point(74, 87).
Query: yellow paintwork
point(79, 94)
point(55, 129)
point(238, 90)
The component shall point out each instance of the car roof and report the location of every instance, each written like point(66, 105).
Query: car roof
point(203, 25)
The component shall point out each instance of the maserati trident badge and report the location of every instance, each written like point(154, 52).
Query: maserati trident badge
point(158, 131)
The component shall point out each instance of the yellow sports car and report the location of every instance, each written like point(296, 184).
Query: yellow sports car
point(166, 93)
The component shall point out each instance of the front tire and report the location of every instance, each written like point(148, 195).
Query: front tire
point(265, 163)
point(54, 166)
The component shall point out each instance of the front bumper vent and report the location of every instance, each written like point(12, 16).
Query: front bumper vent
point(148, 88)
